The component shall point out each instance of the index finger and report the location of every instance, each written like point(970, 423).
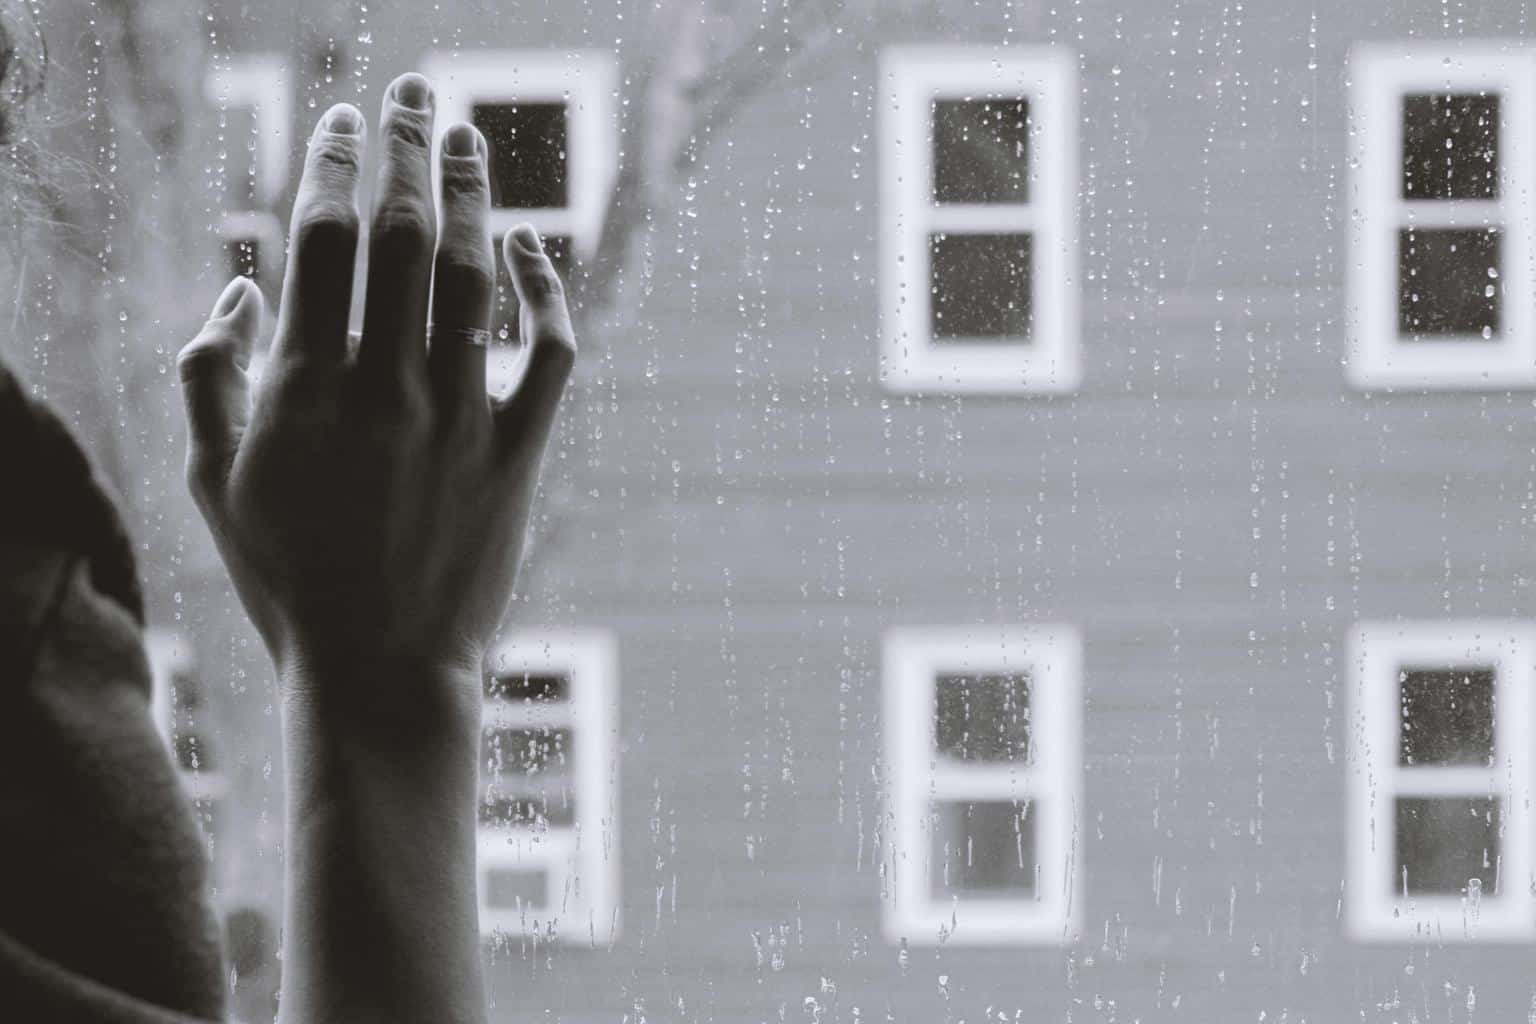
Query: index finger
point(322, 236)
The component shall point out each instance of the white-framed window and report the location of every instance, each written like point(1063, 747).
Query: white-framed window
point(179, 704)
point(978, 236)
point(550, 118)
point(983, 738)
point(255, 103)
point(1442, 267)
point(548, 836)
point(1439, 815)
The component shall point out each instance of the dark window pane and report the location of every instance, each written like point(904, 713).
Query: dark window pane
point(527, 150)
point(549, 687)
point(981, 151)
point(1442, 842)
point(192, 751)
point(511, 888)
point(189, 721)
point(985, 848)
point(186, 691)
point(211, 814)
point(240, 150)
point(1447, 716)
point(981, 286)
point(554, 809)
point(982, 718)
point(250, 940)
point(1450, 147)
point(526, 751)
point(504, 317)
point(1448, 283)
point(242, 256)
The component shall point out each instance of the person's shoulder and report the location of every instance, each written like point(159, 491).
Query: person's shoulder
point(34, 988)
point(57, 501)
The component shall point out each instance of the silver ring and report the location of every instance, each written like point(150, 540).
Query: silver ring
point(478, 337)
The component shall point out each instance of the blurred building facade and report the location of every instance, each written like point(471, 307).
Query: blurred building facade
point(1040, 531)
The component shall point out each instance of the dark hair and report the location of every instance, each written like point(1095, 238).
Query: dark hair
point(23, 66)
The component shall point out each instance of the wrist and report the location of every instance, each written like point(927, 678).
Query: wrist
point(389, 705)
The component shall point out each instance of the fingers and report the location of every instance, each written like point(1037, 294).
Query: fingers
point(213, 383)
point(317, 288)
point(402, 236)
point(525, 417)
point(463, 276)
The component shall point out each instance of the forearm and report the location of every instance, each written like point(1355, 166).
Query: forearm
point(381, 918)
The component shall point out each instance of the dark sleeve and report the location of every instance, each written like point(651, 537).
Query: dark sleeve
point(103, 912)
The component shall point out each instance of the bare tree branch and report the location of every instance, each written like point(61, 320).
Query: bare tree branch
point(697, 80)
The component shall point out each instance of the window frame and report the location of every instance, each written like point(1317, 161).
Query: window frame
point(258, 82)
point(916, 777)
point(911, 78)
point(1378, 651)
point(168, 652)
point(1381, 76)
point(584, 854)
point(586, 81)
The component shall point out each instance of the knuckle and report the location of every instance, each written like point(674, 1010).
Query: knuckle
point(410, 130)
point(464, 181)
point(403, 225)
point(200, 355)
point(557, 349)
point(326, 226)
point(466, 268)
point(400, 405)
point(335, 157)
point(542, 283)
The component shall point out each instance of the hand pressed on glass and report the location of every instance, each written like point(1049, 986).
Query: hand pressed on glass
point(370, 501)
point(369, 498)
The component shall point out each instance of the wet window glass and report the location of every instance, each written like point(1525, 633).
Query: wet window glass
point(982, 718)
point(981, 151)
point(981, 287)
point(1447, 845)
point(1039, 528)
point(1451, 147)
point(1448, 283)
point(1447, 716)
point(983, 849)
point(527, 144)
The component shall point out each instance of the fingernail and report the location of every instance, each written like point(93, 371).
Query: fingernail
point(413, 91)
point(527, 239)
point(461, 140)
point(343, 119)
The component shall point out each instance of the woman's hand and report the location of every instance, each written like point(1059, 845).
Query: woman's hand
point(370, 500)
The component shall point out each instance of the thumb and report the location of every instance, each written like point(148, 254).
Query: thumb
point(213, 383)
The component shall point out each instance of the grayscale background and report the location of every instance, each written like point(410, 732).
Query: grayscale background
point(736, 498)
